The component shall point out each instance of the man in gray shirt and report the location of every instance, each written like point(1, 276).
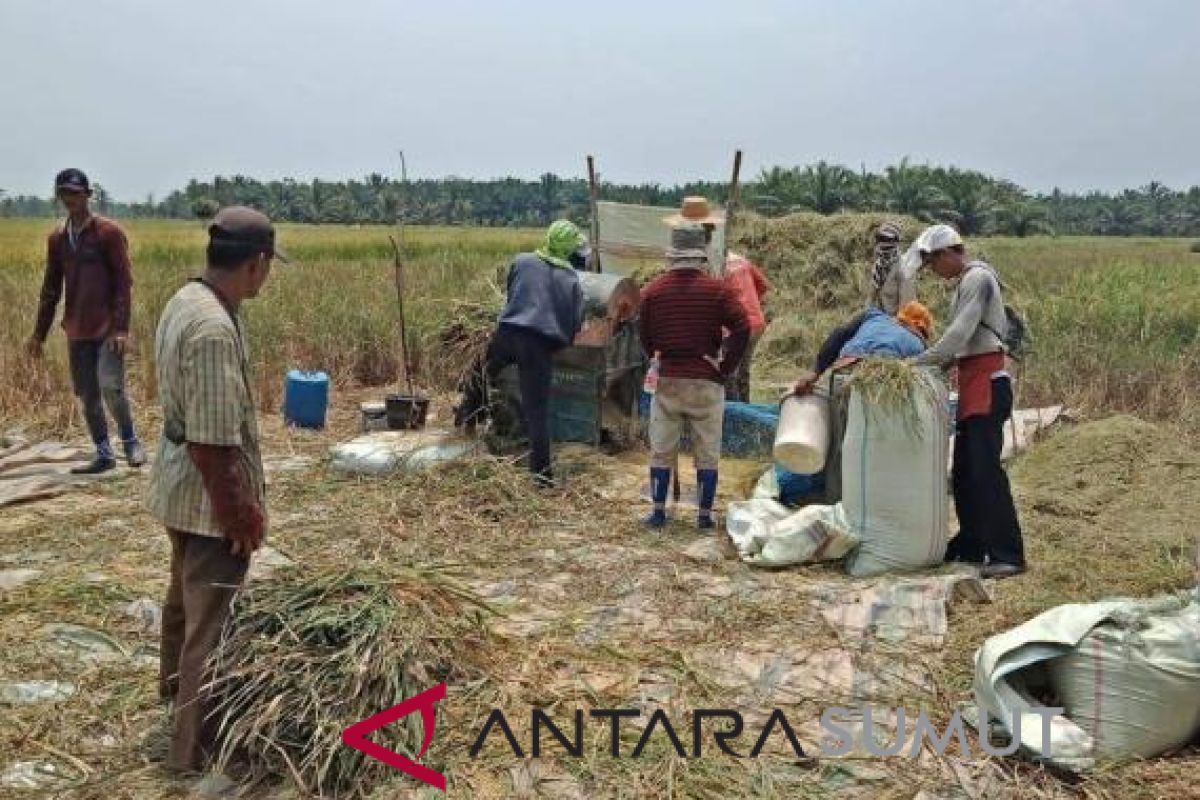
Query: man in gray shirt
point(542, 315)
point(973, 344)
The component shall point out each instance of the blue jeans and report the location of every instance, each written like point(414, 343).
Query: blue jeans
point(98, 377)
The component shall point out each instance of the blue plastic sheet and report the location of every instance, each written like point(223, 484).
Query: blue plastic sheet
point(749, 429)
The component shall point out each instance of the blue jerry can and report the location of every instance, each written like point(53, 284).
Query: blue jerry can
point(305, 398)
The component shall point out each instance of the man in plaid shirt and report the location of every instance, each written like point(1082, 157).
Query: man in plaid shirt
point(207, 483)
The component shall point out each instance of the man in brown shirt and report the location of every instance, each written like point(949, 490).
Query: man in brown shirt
point(90, 257)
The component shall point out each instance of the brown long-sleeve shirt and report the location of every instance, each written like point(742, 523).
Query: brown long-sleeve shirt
point(96, 273)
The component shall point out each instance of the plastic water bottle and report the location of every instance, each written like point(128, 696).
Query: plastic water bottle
point(650, 384)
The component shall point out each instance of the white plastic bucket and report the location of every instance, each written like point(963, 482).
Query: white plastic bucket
point(802, 438)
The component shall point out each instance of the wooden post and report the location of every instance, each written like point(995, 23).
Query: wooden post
point(593, 199)
point(399, 277)
point(735, 189)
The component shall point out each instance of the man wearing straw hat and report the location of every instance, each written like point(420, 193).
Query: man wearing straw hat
point(683, 316)
point(744, 278)
point(207, 484)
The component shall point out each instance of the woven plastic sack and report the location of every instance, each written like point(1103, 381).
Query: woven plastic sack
point(1145, 707)
point(1133, 683)
point(894, 481)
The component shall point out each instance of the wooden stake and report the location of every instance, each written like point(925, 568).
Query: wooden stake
point(399, 274)
point(735, 189)
point(593, 199)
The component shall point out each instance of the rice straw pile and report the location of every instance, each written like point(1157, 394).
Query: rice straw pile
point(461, 342)
point(890, 386)
point(306, 655)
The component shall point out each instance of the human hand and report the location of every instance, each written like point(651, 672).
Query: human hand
point(805, 383)
point(118, 342)
point(247, 536)
point(33, 347)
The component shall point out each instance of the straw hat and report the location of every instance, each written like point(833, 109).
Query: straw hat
point(696, 209)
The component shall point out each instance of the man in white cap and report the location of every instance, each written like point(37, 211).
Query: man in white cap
point(989, 531)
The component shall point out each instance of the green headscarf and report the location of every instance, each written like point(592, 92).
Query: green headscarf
point(563, 238)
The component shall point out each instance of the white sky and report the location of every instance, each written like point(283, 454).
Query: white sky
point(145, 94)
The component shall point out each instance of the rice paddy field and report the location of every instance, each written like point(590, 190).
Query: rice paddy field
point(560, 600)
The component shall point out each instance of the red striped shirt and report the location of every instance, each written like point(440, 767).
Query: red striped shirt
point(682, 316)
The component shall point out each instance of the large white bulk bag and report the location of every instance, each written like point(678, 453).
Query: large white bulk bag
point(1133, 683)
point(894, 489)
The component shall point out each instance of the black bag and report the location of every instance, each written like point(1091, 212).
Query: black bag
point(1016, 336)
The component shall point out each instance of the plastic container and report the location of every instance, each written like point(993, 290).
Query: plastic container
point(406, 412)
point(305, 399)
point(650, 384)
point(373, 417)
point(802, 438)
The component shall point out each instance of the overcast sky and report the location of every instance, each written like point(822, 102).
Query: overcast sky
point(145, 94)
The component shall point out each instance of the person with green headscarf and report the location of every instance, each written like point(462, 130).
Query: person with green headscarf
point(543, 314)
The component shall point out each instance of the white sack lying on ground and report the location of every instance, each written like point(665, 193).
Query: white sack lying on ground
point(388, 451)
point(894, 481)
point(1133, 683)
point(769, 534)
point(1127, 673)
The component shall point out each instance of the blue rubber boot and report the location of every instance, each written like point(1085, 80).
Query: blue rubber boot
point(706, 483)
point(660, 484)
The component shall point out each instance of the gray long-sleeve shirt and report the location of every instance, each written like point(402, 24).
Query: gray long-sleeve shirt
point(977, 306)
point(544, 299)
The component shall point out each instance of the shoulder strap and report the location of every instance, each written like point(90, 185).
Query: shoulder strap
point(987, 327)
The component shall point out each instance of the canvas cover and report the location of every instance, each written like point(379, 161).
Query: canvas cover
point(633, 239)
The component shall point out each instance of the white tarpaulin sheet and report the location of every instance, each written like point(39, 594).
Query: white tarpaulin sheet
point(381, 452)
point(635, 238)
point(37, 470)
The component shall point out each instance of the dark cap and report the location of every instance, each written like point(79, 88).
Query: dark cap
point(73, 180)
point(245, 226)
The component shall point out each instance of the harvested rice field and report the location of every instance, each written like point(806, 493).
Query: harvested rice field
point(559, 600)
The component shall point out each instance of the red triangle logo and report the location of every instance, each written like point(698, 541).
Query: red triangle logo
point(356, 736)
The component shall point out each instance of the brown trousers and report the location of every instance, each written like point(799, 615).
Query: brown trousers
point(204, 578)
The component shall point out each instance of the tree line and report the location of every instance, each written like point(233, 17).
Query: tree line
point(976, 203)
